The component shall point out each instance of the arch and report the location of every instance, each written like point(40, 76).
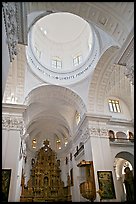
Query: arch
point(56, 108)
point(121, 136)
point(97, 13)
point(111, 135)
point(127, 156)
point(99, 80)
point(131, 136)
point(63, 94)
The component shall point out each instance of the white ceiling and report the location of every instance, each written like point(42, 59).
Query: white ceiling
point(62, 35)
point(111, 18)
point(62, 27)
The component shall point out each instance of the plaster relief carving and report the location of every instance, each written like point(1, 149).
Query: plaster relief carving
point(12, 123)
point(104, 132)
point(130, 73)
point(9, 11)
point(94, 131)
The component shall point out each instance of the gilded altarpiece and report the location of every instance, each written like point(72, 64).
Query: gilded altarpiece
point(45, 182)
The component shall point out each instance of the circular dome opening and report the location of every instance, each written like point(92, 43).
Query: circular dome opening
point(61, 42)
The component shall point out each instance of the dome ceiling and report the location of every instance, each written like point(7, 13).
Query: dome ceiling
point(59, 45)
point(61, 27)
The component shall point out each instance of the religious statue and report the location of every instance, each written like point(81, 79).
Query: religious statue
point(129, 184)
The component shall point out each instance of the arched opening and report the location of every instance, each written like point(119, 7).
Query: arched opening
point(123, 160)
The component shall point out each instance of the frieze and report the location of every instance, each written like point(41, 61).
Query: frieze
point(103, 132)
point(11, 122)
point(94, 131)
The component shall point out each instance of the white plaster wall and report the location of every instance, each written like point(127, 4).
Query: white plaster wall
point(88, 151)
point(5, 58)
point(31, 82)
point(19, 175)
point(81, 88)
point(10, 155)
point(75, 190)
point(102, 160)
point(5, 137)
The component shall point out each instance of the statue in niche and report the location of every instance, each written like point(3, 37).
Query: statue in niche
point(46, 181)
point(58, 162)
point(129, 184)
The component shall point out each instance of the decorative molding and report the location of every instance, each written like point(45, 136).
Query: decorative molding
point(129, 72)
point(15, 82)
point(115, 19)
point(9, 11)
point(100, 79)
point(21, 16)
point(94, 131)
point(104, 132)
point(12, 123)
point(85, 136)
point(126, 57)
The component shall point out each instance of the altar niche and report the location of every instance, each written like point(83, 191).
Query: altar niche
point(45, 182)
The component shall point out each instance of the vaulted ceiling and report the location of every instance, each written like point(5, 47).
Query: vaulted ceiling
point(117, 20)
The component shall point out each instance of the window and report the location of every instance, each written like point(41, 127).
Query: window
point(56, 63)
point(77, 60)
point(131, 136)
point(111, 135)
point(58, 143)
point(77, 117)
point(114, 106)
point(38, 52)
point(34, 143)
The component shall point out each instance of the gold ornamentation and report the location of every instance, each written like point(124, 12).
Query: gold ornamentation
point(45, 182)
point(87, 188)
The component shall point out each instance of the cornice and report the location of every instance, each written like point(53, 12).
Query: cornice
point(13, 108)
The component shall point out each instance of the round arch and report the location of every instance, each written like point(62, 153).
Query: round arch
point(51, 111)
point(127, 156)
point(99, 80)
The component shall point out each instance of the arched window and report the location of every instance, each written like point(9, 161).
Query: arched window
point(121, 137)
point(37, 51)
point(77, 60)
point(34, 143)
point(131, 136)
point(77, 117)
point(58, 142)
point(114, 106)
point(56, 63)
point(111, 135)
